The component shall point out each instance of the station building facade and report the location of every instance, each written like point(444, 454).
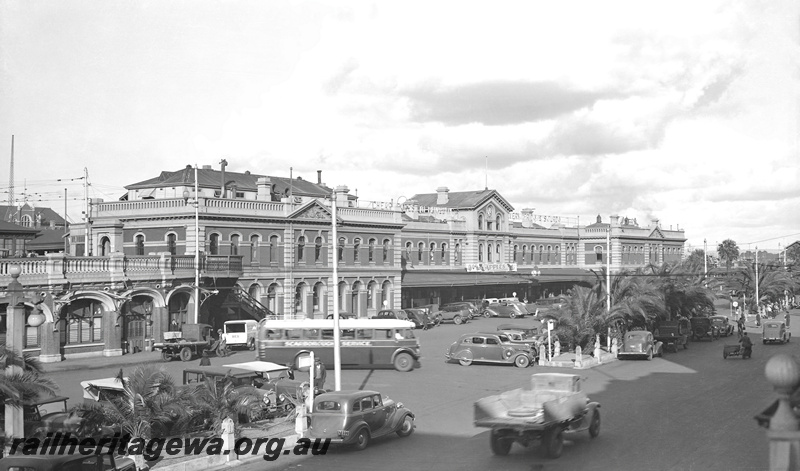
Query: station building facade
point(264, 245)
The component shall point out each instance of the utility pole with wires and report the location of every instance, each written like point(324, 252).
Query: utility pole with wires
point(86, 237)
point(10, 213)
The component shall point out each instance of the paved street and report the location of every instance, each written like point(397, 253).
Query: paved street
point(690, 410)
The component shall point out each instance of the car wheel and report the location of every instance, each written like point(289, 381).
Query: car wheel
point(166, 356)
point(554, 442)
point(512, 315)
point(521, 361)
point(407, 428)
point(487, 314)
point(466, 361)
point(594, 426)
point(500, 446)
point(362, 439)
point(457, 320)
point(403, 362)
point(186, 354)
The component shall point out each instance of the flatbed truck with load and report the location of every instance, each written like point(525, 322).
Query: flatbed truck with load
point(673, 334)
point(554, 407)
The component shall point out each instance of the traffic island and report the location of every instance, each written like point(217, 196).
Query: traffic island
point(578, 361)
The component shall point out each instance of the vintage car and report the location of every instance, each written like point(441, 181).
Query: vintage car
point(490, 347)
point(640, 344)
point(474, 309)
point(775, 331)
point(49, 415)
point(502, 310)
point(66, 462)
point(420, 318)
point(455, 313)
point(531, 330)
point(357, 417)
point(723, 325)
point(703, 328)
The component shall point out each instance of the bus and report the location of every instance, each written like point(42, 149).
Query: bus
point(365, 343)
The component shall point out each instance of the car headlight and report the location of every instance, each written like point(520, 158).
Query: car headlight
point(399, 405)
point(281, 397)
point(266, 399)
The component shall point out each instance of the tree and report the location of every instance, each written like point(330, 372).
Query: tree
point(19, 387)
point(218, 400)
point(728, 251)
point(772, 282)
point(696, 257)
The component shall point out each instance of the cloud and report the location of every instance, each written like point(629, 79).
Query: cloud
point(497, 102)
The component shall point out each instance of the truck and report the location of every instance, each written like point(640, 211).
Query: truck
point(673, 334)
point(190, 342)
point(553, 407)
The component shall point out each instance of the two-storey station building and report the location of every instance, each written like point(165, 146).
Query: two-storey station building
point(248, 246)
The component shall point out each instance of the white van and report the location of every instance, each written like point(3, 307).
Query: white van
point(241, 333)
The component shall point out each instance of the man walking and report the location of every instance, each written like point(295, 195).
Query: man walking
point(747, 346)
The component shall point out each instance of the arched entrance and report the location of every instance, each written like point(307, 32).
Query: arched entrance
point(137, 323)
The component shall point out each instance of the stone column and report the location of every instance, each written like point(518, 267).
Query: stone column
point(50, 343)
point(112, 334)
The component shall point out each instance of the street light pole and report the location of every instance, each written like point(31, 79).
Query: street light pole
point(337, 348)
point(196, 250)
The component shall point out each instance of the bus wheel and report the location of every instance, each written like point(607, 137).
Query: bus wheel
point(403, 362)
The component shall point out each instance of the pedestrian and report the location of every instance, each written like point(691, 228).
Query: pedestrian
point(787, 318)
point(173, 326)
point(205, 361)
point(747, 346)
point(740, 325)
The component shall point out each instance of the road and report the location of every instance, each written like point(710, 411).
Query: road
point(689, 410)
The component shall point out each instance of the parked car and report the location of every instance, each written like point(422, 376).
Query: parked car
point(357, 417)
point(66, 462)
point(458, 314)
point(342, 315)
point(402, 314)
point(531, 329)
point(723, 325)
point(502, 310)
point(474, 310)
point(420, 318)
point(640, 344)
point(775, 331)
point(703, 328)
point(489, 347)
point(49, 415)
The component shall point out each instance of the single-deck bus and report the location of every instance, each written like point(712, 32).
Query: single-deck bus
point(365, 343)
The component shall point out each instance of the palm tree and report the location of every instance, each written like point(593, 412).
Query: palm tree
point(772, 281)
point(217, 400)
point(19, 387)
point(684, 288)
point(728, 251)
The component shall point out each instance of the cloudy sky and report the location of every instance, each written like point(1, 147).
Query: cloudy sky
point(682, 111)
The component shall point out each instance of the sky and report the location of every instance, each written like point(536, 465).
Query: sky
point(685, 112)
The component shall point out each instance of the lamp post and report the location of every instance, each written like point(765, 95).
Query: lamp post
point(15, 335)
point(196, 203)
point(337, 348)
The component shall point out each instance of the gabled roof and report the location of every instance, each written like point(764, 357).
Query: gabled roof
point(656, 234)
point(46, 214)
point(48, 238)
point(210, 178)
point(16, 229)
point(461, 199)
point(312, 210)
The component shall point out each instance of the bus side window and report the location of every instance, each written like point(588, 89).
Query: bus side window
point(295, 334)
point(364, 333)
point(348, 333)
point(383, 334)
point(327, 334)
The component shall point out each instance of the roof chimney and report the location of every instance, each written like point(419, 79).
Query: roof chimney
point(441, 195)
point(319, 177)
point(223, 163)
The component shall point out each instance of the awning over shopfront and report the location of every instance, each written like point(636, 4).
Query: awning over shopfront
point(570, 274)
point(429, 279)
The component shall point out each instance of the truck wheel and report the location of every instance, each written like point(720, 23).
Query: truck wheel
point(403, 362)
point(500, 446)
point(594, 426)
point(166, 356)
point(186, 354)
point(521, 361)
point(457, 320)
point(554, 442)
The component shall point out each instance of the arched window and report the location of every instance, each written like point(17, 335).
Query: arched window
point(549, 249)
point(356, 249)
point(342, 293)
point(516, 247)
point(432, 251)
point(26, 221)
point(272, 297)
point(372, 295)
point(318, 297)
point(341, 249)
point(371, 251)
point(524, 249)
point(598, 251)
point(457, 253)
point(273, 249)
point(420, 249)
point(385, 249)
point(317, 249)
point(489, 248)
point(355, 299)
point(497, 251)
point(444, 252)
point(480, 252)
point(139, 244)
point(234, 244)
point(171, 244)
point(408, 252)
point(301, 248)
point(480, 222)
point(254, 248)
point(556, 258)
point(105, 246)
point(497, 223)
point(213, 244)
point(489, 223)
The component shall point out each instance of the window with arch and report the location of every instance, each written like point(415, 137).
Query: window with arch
point(340, 256)
point(139, 244)
point(497, 223)
point(26, 221)
point(420, 249)
point(372, 295)
point(213, 244)
point(598, 252)
point(480, 222)
point(356, 250)
point(524, 249)
point(556, 254)
point(457, 253)
point(172, 246)
point(342, 293)
point(273, 249)
point(371, 250)
point(105, 246)
point(301, 248)
point(254, 248)
point(317, 299)
point(272, 297)
point(489, 248)
point(318, 249)
point(385, 249)
point(432, 251)
point(408, 251)
point(480, 252)
point(444, 252)
point(516, 248)
point(549, 250)
point(234, 244)
point(498, 252)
